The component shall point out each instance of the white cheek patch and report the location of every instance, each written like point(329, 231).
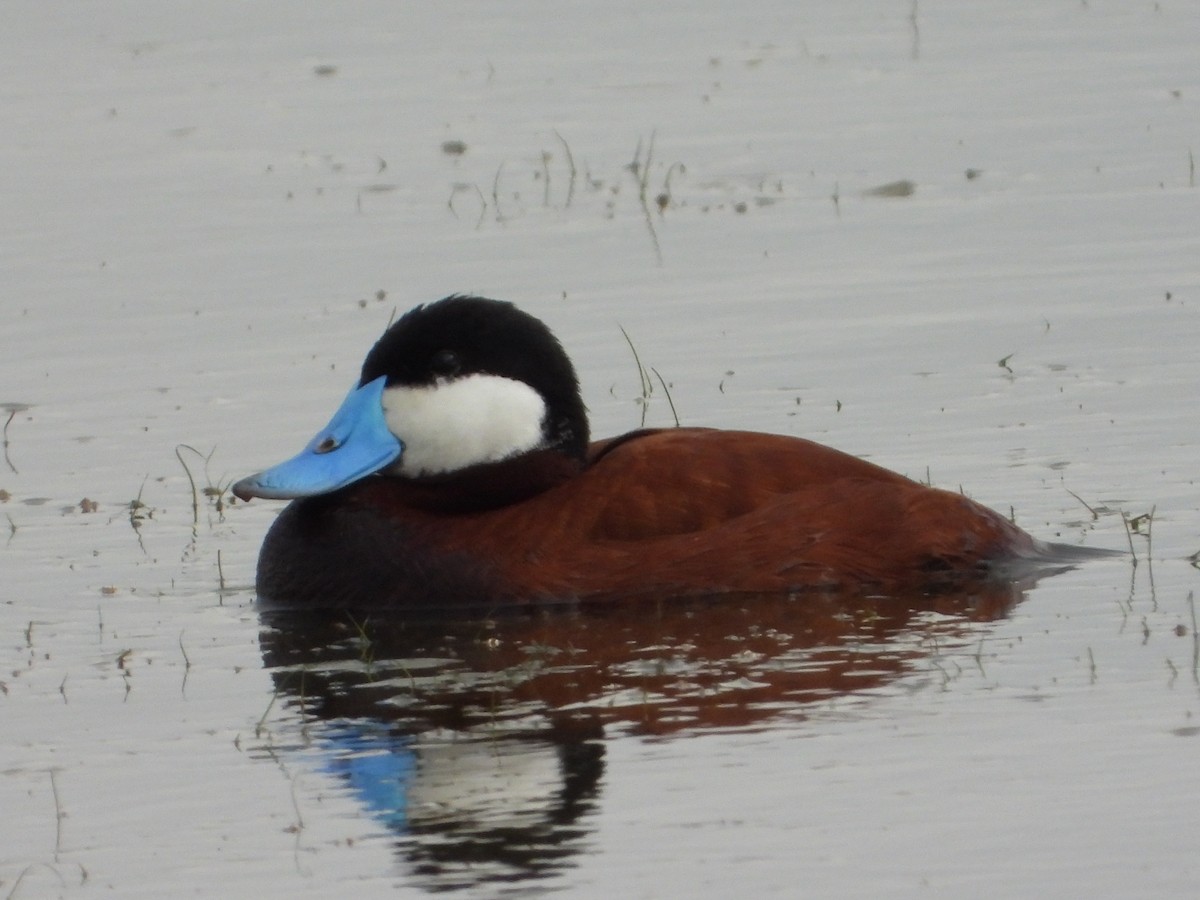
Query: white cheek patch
point(455, 424)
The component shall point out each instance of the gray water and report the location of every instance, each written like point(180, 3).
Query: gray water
point(212, 212)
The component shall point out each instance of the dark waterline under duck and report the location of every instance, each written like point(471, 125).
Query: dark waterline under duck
point(458, 473)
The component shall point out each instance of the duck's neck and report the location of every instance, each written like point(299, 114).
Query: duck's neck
point(482, 487)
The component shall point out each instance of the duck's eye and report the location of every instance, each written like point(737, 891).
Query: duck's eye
point(326, 446)
point(445, 363)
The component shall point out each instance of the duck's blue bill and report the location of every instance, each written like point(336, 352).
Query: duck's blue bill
point(354, 444)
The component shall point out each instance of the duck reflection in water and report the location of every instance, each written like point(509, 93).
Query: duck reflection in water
point(479, 744)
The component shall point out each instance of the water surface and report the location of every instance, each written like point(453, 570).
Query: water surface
point(213, 212)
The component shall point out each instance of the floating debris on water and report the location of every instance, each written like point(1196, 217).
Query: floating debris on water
point(902, 188)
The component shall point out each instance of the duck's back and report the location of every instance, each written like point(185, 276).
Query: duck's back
point(699, 511)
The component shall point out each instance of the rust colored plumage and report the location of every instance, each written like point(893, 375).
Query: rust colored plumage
point(684, 512)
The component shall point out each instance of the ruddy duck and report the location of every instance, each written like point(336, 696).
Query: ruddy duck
point(458, 473)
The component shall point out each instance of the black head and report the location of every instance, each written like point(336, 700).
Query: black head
point(461, 336)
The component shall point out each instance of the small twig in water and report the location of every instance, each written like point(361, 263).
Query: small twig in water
point(666, 391)
point(1150, 553)
point(1095, 515)
point(1150, 535)
point(1129, 537)
point(641, 171)
point(191, 481)
point(1195, 640)
point(59, 815)
point(645, 379)
point(979, 658)
point(299, 826)
point(664, 199)
point(460, 188)
point(187, 667)
point(14, 409)
point(496, 193)
point(1134, 524)
point(571, 167)
point(214, 491)
point(644, 172)
point(260, 727)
